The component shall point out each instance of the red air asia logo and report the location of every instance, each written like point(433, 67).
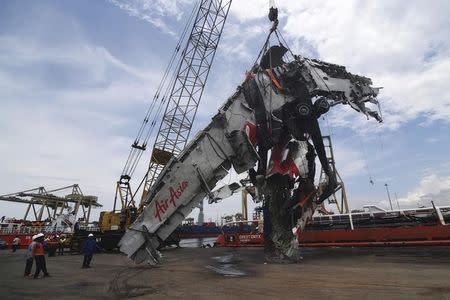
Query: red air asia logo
point(174, 194)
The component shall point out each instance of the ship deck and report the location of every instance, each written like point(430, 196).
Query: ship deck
point(368, 273)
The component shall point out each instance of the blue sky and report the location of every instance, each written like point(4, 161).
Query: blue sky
point(77, 76)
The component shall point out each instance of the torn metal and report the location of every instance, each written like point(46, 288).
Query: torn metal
point(274, 110)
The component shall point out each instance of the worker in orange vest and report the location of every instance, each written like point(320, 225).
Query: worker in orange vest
point(39, 256)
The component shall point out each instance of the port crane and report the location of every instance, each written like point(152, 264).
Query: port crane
point(40, 200)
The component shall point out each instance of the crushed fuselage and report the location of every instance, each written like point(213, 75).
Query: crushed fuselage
point(274, 110)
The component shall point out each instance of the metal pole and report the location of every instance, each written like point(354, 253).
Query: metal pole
point(88, 215)
point(34, 211)
point(389, 196)
point(351, 220)
point(396, 198)
point(28, 210)
point(201, 216)
point(244, 205)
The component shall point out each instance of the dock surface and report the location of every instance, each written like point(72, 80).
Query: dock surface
point(220, 273)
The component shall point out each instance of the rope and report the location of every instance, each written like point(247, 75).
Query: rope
point(366, 161)
point(278, 34)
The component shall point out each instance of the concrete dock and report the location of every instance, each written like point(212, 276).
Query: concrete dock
point(219, 273)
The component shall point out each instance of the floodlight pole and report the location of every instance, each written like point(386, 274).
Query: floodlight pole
point(389, 196)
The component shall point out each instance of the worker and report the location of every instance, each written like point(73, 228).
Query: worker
point(38, 253)
point(15, 243)
point(89, 247)
point(76, 227)
point(49, 246)
point(61, 244)
point(123, 220)
point(29, 258)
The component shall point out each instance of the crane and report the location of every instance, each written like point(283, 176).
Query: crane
point(46, 200)
point(187, 89)
point(177, 98)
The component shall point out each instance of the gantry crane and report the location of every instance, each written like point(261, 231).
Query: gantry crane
point(40, 200)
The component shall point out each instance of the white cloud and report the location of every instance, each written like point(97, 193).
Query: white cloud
point(249, 10)
point(243, 50)
point(154, 11)
point(88, 58)
point(432, 140)
point(431, 187)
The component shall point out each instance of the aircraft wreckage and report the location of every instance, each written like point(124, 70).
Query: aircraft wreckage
point(269, 128)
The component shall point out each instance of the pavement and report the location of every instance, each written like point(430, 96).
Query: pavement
point(220, 273)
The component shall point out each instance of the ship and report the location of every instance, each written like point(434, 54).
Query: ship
point(10, 228)
point(209, 229)
point(371, 227)
point(189, 230)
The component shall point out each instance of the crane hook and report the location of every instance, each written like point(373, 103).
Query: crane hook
point(273, 14)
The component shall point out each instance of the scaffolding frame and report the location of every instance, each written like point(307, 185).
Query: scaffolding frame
point(40, 200)
point(340, 201)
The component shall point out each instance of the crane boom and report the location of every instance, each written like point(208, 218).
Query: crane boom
point(188, 85)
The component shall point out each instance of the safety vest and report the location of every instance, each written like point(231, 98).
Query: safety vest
point(38, 249)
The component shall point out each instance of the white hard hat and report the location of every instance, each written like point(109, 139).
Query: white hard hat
point(90, 234)
point(39, 235)
point(34, 237)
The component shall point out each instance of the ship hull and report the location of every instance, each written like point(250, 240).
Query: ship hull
point(415, 235)
point(25, 239)
point(418, 235)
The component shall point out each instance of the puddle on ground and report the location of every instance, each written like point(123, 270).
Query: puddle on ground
point(227, 259)
point(228, 270)
point(227, 265)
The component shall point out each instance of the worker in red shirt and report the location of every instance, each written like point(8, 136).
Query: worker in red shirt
point(39, 256)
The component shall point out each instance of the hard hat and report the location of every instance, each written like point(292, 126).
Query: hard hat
point(90, 234)
point(34, 237)
point(39, 235)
